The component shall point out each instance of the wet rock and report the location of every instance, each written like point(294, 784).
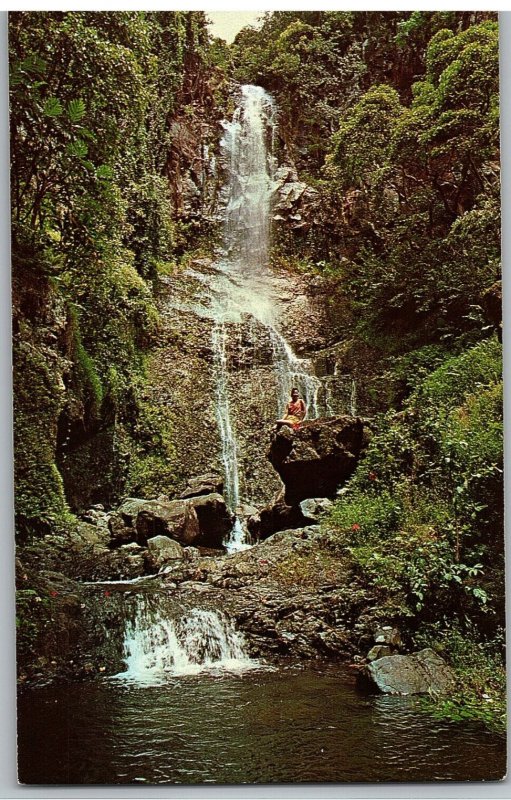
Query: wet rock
point(120, 533)
point(215, 519)
point(177, 520)
point(276, 516)
point(203, 484)
point(247, 511)
point(317, 458)
point(161, 550)
point(129, 510)
point(315, 507)
point(379, 651)
point(419, 673)
point(388, 635)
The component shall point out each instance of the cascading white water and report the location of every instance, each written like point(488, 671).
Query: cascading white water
point(157, 647)
point(250, 159)
point(241, 287)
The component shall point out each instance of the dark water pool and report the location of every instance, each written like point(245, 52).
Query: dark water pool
point(291, 725)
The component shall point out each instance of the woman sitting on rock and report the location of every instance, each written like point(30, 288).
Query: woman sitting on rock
point(295, 412)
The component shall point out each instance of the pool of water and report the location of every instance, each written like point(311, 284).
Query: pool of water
point(291, 725)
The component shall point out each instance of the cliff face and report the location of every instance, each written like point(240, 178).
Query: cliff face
point(191, 164)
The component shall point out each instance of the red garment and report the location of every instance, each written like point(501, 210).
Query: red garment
point(296, 409)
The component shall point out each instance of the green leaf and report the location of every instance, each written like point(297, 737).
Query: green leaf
point(77, 148)
point(52, 107)
point(105, 172)
point(76, 110)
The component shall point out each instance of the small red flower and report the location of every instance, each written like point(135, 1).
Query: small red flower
point(372, 476)
point(53, 593)
point(355, 526)
point(107, 593)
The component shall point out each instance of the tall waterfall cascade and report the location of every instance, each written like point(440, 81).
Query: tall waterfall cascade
point(241, 287)
point(157, 647)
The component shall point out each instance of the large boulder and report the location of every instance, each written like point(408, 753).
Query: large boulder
point(177, 520)
point(276, 516)
point(120, 533)
point(128, 510)
point(320, 456)
point(203, 484)
point(215, 519)
point(161, 550)
point(419, 673)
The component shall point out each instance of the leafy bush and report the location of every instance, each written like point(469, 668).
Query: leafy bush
point(422, 515)
point(480, 694)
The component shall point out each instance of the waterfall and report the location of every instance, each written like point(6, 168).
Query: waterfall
point(250, 165)
point(157, 647)
point(241, 288)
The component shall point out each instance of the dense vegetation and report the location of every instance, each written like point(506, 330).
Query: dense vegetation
point(93, 99)
point(397, 128)
point(393, 119)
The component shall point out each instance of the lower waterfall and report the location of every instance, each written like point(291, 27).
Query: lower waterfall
point(157, 647)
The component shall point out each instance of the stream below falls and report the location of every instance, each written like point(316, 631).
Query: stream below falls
point(292, 724)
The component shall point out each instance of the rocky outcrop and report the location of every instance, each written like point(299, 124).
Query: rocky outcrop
point(289, 595)
point(176, 519)
point(199, 519)
point(203, 484)
point(215, 519)
point(161, 550)
point(296, 203)
point(315, 507)
point(319, 457)
point(420, 673)
point(276, 516)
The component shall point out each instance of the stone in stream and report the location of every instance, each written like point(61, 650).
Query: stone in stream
point(419, 673)
point(320, 456)
point(161, 550)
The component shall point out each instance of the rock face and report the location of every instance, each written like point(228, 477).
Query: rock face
point(177, 519)
point(315, 507)
point(276, 516)
point(419, 673)
point(317, 458)
point(161, 550)
point(215, 519)
point(203, 484)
